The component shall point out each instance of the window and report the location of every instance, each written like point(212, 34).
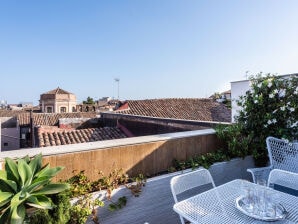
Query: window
point(49, 110)
point(5, 144)
point(62, 109)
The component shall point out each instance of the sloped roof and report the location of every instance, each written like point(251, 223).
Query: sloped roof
point(183, 108)
point(57, 91)
point(65, 137)
point(11, 113)
point(51, 119)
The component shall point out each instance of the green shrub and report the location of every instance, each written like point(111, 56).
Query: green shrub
point(235, 142)
point(60, 214)
point(269, 108)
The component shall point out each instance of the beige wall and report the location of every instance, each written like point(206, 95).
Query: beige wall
point(146, 154)
point(57, 101)
point(147, 158)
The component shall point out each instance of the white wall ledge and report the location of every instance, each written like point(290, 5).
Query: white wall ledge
point(63, 149)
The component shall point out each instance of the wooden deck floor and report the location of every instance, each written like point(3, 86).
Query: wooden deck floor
point(155, 204)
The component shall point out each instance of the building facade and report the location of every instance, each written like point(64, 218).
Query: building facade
point(58, 101)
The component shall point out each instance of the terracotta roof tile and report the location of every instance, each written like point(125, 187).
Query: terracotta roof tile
point(55, 136)
point(11, 113)
point(57, 91)
point(185, 109)
point(51, 119)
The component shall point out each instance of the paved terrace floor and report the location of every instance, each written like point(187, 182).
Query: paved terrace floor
point(154, 205)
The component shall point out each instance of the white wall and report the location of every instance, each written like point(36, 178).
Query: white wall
point(238, 89)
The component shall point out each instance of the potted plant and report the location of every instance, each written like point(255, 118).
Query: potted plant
point(26, 184)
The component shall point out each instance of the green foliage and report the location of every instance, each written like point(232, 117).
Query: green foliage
point(121, 202)
point(137, 184)
point(202, 160)
point(269, 109)
point(60, 214)
point(79, 184)
point(40, 216)
point(83, 208)
point(112, 181)
point(235, 143)
point(24, 184)
point(82, 186)
point(89, 100)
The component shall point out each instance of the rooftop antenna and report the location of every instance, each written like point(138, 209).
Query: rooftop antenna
point(117, 80)
point(246, 75)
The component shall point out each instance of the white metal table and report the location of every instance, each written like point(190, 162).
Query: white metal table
point(218, 206)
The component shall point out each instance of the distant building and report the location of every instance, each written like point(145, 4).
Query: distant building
point(21, 106)
point(58, 101)
point(226, 95)
point(103, 104)
point(221, 97)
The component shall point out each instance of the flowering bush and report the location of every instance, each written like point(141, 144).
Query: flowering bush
point(269, 108)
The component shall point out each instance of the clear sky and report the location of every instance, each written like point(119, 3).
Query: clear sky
point(157, 48)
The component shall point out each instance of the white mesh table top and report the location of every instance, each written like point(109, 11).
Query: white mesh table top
point(218, 204)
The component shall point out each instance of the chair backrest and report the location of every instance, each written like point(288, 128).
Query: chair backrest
point(284, 181)
point(190, 180)
point(282, 154)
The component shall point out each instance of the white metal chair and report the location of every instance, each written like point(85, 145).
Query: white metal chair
point(283, 180)
point(282, 155)
point(200, 178)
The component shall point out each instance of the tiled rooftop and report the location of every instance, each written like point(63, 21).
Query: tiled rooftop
point(55, 136)
point(11, 113)
point(51, 119)
point(185, 109)
point(57, 91)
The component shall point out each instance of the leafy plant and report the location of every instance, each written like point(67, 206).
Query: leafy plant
point(235, 142)
point(205, 160)
point(269, 108)
point(25, 184)
point(83, 208)
point(137, 184)
point(121, 202)
point(60, 214)
point(80, 184)
point(112, 181)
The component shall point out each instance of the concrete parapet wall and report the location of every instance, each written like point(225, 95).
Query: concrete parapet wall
point(147, 154)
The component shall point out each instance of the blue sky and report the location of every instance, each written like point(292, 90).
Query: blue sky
point(157, 48)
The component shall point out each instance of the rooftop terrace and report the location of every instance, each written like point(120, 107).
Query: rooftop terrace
point(155, 204)
point(149, 155)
